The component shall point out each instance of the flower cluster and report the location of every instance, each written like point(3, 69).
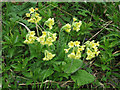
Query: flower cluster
point(30, 37)
point(67, 27)
point(92, 49)
point(50, 23)
point(76, 49)
point(75, 26)
point(47, 38)
point(34, 16)
point(48, 55)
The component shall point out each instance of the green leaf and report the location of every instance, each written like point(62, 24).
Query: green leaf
point(82, 77)
point(16, 67)
point(104, 67)
point(113, 44)
point(46, 73)
point(19, 44)
point(11, 52)
point(33, 52)
point(72, 66)
point(29, 82)
point(27, 74)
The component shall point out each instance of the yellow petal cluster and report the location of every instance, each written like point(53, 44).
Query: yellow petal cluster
point(92, 49)
point(76, 25)
point(47, 38)
point(50, 23)
point(74, 19)
point(34, 16)
point(31, 10)
point(48, 55)
point(76, 50)
point(67, 27)
point(30, 37)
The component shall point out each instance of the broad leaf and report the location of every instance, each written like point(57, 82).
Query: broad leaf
point(82, 77)
point(72, 66)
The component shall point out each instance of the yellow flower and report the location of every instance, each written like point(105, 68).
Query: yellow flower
point(54, 37)
point(31, 10)
point(49, 39)
point(76, 25)
point(26, 41)
point(81, 48)
point(32, 33)
point(36, 14)
point(28, 14)
point(31, 20)
point(38, 19)
point(89, 51)
point(72, 55)
point(77, 43)
point(36, 9)
point(80, 23)
point(41, 39)
point(32, 38)
point(44, 33)
point(95, 49)
point(67, 27)
point(74, 19)
point(66, 50)
point(71, 44)
point(97, 44)
point(90, 56)
point(49, 43)
point(48, 55)
point(97, 52)
point(78, 55)
point(50, 26)
point(49, 23)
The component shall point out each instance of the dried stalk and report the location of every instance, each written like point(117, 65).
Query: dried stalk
point(48, 81)
point(116, 52)
point(24, 26)
point(100, 30)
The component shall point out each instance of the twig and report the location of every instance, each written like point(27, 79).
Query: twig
point(39, 83)
point(111, 85)
point(100, 30)
point(66, 83)
point(24, 26)
point(45, 7)
point(47, 81)
point(37, 29)
point(116, 52)
point(41, 27)
point(62, 10)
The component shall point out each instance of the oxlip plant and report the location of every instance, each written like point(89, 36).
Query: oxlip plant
point(44, 44)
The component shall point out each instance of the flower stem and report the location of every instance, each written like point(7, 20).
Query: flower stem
point(37, 29)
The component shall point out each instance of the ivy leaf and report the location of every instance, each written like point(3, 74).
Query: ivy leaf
point(82, 77)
